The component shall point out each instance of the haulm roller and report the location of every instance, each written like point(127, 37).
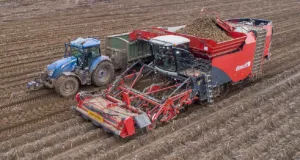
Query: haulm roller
point(185, 69)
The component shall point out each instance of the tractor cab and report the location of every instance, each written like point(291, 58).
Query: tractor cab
point(82, 64)
point(85, 50)
point(171, 54)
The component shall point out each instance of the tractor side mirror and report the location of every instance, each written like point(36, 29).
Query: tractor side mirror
point(66, 50)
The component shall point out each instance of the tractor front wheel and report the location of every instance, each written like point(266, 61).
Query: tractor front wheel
point(103, 74)
point(66, 86)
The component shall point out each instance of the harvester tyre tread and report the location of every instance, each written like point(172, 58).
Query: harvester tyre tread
point(110, 71)
point(61, 86)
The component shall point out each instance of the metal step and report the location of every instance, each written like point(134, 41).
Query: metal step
point(209, 88)
point(256, 68)
point(256, 64)
point(259, 51)
point(258, 54)
point(261, 36)
point(257, 58)
point(261, 39)
point(257, 61)
point(260, 46)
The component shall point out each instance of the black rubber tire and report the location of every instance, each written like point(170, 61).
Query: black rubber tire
point(151, 127)
point(199, 102)
point(61, 86)
point(110, 72)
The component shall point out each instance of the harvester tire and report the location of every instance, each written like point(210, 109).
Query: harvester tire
point(66, 86)
point(103, 74)
point(151, 127)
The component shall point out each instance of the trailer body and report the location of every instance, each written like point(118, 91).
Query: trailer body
point(123, 51)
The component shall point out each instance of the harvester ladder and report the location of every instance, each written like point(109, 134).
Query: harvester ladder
point(259, 52)
point(209, 88)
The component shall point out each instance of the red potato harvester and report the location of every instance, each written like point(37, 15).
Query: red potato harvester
point(184, 69)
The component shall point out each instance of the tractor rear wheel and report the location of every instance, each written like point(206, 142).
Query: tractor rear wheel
point(103, 74)
point(66, 86)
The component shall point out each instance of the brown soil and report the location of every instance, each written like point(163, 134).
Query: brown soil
point(256, 121)
point(205, 27)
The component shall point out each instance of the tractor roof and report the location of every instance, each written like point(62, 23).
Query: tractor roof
point(170, 39)
point(85, 42)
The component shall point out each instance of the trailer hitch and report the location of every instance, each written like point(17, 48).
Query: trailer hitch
point(39, 82)
point(34, 85)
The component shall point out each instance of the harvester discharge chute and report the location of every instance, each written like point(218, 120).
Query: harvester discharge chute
point(136, 100)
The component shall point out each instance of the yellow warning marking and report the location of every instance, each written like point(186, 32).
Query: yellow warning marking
point(96, 116)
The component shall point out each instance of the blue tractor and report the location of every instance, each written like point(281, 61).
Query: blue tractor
point(82, 64)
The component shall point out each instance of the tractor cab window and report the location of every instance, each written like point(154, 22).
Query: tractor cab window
point(164, 57)
point(76, 52)
point(184, 59)
point(90, 54)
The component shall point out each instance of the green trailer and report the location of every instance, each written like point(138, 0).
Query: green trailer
point(123, 52)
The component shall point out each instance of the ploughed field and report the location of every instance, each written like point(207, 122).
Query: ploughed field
point(260, 120)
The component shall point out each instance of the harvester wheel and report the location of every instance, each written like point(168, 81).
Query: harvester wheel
point(151, 127)
point(66, 86)
point(103, 74)
point(96, 124)
point(85, 117)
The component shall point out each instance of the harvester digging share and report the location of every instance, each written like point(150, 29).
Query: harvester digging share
point(188, 66)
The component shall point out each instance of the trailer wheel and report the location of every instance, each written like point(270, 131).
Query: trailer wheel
point(103, 74)
point(66, 86)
